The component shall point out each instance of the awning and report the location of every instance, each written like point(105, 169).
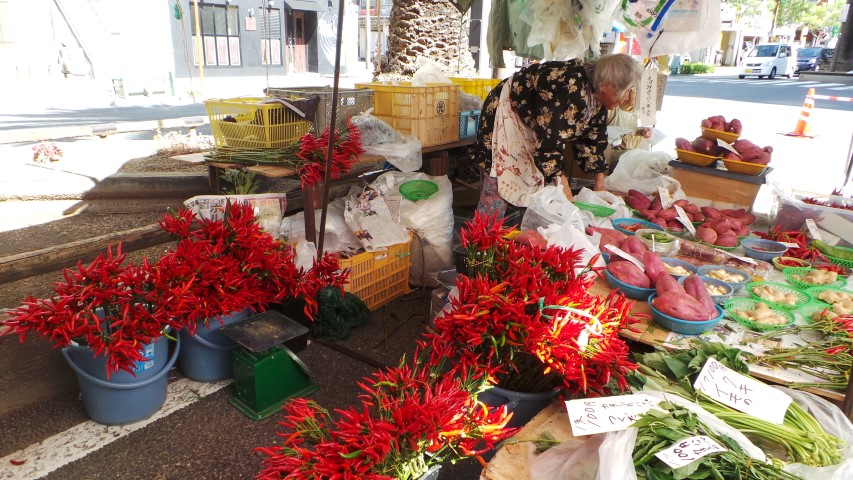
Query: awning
point(309, 5)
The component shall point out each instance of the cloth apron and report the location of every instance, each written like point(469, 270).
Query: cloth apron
point(512, 154)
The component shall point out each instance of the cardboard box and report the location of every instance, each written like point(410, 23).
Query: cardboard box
point(718, 188)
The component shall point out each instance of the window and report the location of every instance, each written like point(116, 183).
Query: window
point(270, 41)
point(220, 35)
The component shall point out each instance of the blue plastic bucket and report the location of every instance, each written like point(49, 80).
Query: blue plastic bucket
point(206, 356)
point(156, 355)
point(112, 403)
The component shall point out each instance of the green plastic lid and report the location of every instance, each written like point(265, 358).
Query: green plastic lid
point(597, 210)
point(416, 190)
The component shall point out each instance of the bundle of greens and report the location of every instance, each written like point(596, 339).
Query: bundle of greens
point(661, 428)
point(800, 436)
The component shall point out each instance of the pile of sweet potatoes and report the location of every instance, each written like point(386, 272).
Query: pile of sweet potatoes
point(666, 218)
point(627, 272)
point(749, 152)
point(722, 227)
point(718, 122)
point(692, 302)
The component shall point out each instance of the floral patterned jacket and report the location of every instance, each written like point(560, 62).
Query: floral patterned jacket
point(555, 99)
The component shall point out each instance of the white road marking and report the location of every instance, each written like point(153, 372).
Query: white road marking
point(75, 443)
point(821, 85)
point(847, 87)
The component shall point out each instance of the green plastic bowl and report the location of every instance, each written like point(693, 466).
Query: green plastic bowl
point(597, 210)
point(744, 304)
point(803, 298)
point(790, 272)
point(415, 190)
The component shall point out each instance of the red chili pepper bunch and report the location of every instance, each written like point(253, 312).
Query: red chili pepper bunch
point(312, 153)
point(802, 250)
point(111, 307)
point(409, 418)
point(230, 264)
point(824, 203)
point(529, 321)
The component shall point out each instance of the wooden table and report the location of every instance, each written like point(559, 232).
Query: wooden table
point(649, 333)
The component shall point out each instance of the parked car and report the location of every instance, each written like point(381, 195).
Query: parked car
point(812, 59)
point(769, 60)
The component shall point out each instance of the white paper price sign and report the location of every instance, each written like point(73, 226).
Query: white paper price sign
point(813, 231)
point(607, 414)
point(728, 147)
point(790, 244)
point(685, 220)
point(688, 450)
point(626, 256)
point(741, 392)
point(665, 197)
point(742, 259)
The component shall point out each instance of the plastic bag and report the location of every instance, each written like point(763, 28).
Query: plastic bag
point(687, 26)
point(338, 236)
point(432, 221)
point(835, 423)
point(469, 102)
point(428, 72)
point(605, 199)
point(375, 131)
point(643, 171)
point(405, 155)
point(576, 459)
point(548, 206)
point(306, 252)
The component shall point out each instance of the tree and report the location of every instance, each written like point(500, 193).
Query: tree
point(433, 29)
point(748, 8)
point(814, 15)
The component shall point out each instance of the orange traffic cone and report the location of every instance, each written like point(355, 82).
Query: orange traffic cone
point(803, 129)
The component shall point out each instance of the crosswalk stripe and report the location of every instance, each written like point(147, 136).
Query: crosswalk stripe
point(75, 443)
point(821, 85)
point(846, 87)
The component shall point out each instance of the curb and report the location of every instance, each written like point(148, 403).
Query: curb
point(103, 129)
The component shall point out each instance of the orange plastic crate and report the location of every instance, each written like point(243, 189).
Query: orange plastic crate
point(476, 86)
point(247, 122)
point(430, 114)
point(379, 277)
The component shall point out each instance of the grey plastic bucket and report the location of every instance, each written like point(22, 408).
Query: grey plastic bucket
point(524, 406)
point(112, 403)
point(206, 356)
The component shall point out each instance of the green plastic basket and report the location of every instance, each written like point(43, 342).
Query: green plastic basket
point(815, 292)
point(802, 297)
point(789, 273)
point(415, 190)
point(745, 304)
point(807, 312)
point(839, 261)
point(597, 210)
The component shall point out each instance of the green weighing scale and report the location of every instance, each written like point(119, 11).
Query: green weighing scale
point(266, 373)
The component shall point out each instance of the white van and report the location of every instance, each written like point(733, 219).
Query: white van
point(769, 60)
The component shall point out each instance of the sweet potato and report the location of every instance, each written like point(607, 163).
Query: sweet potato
point(634, 246)
point(668, 214)
point(711, 212)
point(609, 236)
point(717, 119)
point(704, 146)
point(674, 225)
point(635, 203)
point(664, 282)
point(706, 234)
point(656, 204)
point(640, 196)
point(726, 240)
point(680, 305)
point(684, 144)
point(695, 287)
point(654, 265)
point(718, 126)
point(659, 222)
point(705, 123)
point(735, 126)
point(629, 273)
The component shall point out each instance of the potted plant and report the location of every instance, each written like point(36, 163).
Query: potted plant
point(410, 420)
point(225, 268)
point(110, 319)
point(528, 319)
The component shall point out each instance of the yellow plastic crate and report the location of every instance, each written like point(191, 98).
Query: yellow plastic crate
point(247, 122)
point(430, 114)
point(379, 277)
point(476, 86)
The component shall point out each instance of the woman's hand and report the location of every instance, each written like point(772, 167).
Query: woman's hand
point(645, 132)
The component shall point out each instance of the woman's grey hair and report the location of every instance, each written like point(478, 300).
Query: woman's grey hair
point(618, 70)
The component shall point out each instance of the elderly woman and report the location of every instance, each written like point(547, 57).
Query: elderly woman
point(530, 118)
